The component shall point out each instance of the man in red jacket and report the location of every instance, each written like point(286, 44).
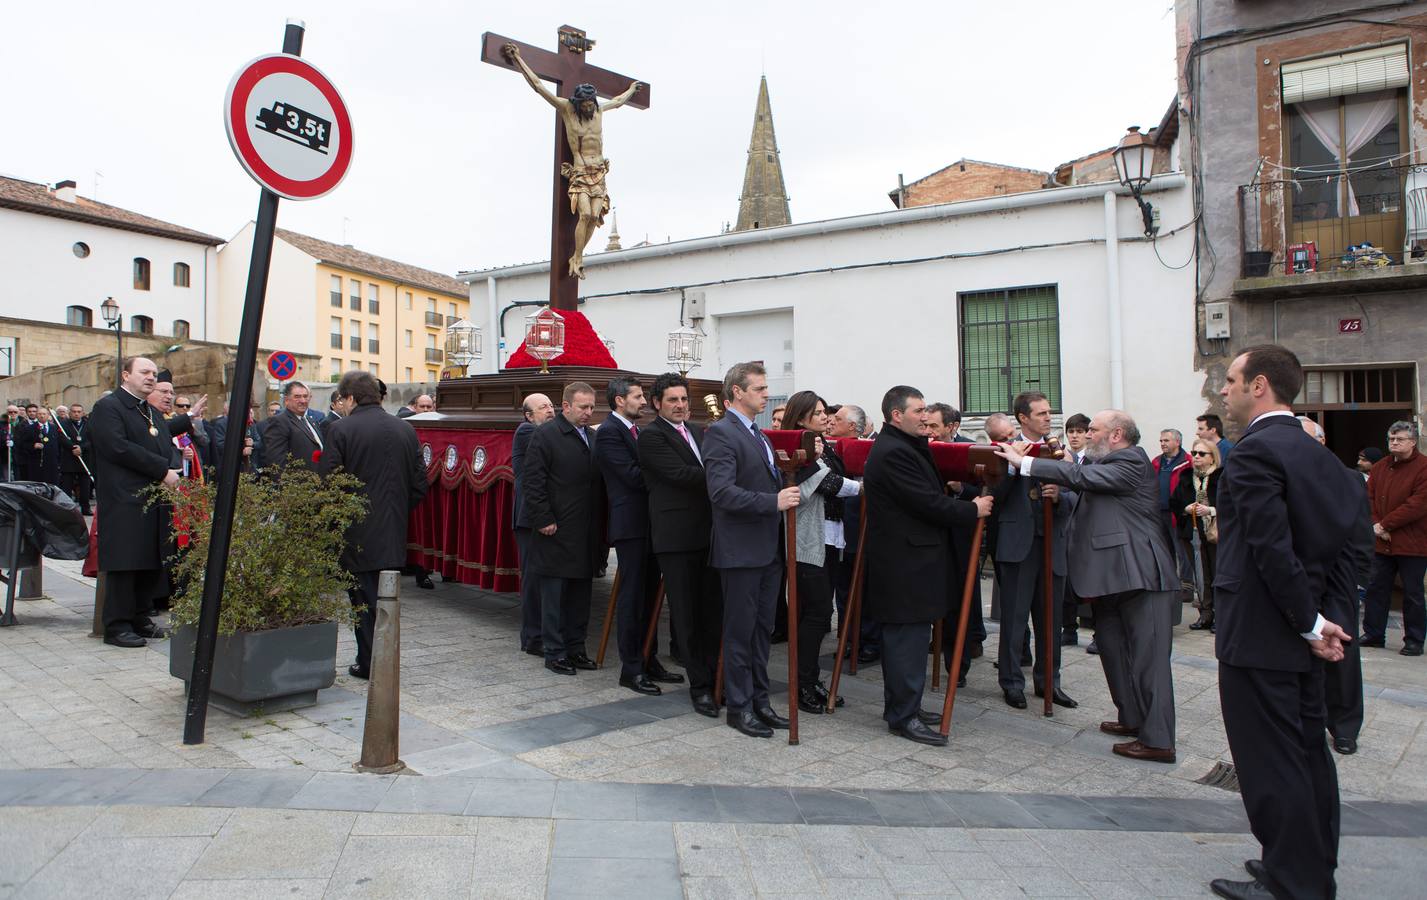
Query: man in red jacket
point(1397, 489)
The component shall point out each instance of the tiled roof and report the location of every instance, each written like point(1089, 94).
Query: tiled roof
point(345, 257)
point(27, 196)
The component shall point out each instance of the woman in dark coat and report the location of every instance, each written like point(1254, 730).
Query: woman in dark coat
point(1195, 499)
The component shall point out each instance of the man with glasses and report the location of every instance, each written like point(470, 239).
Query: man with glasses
point(1397, 490)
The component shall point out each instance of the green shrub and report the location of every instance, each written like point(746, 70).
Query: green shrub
point(284, 564)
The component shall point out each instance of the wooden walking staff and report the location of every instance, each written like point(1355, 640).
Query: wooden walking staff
point(654, 620)
point(988, 468)
point(1052, 450)
point(608, 619)
point(854, 460)
point(791, 451)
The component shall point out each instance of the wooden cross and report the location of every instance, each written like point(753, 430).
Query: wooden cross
point(565, 67)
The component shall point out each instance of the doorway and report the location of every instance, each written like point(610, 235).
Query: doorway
point(1356, 405)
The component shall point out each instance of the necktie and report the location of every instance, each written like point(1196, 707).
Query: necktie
point(312, 431)
point(689, 439)
point(767, 447)
point(634, 431)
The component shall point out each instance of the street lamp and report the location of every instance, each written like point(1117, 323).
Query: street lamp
point(545, 336)
point(1134, 164)
point(686, 349)
point(110, 311)
point(463, 343)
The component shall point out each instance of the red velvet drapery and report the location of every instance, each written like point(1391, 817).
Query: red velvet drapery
point(463, 527)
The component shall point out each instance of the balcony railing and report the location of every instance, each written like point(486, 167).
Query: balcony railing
point(1367, 219)
point(434, 319)
point(452, 320)
point(434, 355)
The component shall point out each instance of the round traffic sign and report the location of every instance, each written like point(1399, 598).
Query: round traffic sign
point(288, 126)
point(282, 365)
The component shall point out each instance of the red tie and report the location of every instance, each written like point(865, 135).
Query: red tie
point(634, 431)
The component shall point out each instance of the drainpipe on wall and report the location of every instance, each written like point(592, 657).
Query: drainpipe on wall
point(492, 312)
point(1112, 286)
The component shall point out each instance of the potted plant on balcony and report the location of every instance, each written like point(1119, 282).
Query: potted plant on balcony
point(285, 592)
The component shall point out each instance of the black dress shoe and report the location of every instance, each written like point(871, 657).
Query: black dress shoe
point(928, 718)
point(810, 702)
point(581, 661)
point(868, 655)
point(1203, 623)
point(915, 730)
point(1092, 648)
point(1256, 870)
point(768, 717)
point(704, 705)
point(1379, 643)
point(746, 722)
point(1016, 699)
point(1060, 698)
point(424, 582)
point(640, 684)
point(656, 671)
point(357, 671)
point(1345, 745)
point(125, 639)
point(560, 666)
point(535, 648)
point(778, 637)
point(1410, 650)
point(1240, 890)
point(821, 690)
point(152, 632)
point(1069, 639)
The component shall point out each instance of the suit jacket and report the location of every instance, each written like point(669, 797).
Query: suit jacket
point(518, 445)
point(1352, 568)
point(73, 434)
point(327, 421)
point(909, 521)
point(1118, 544)
point(1017, 520)
point(617, 455)
point(386, 456)
point(680, 515)
point(286, 438)
point(41, 464)
point(127, 459)
point(1286, 510)
point(561, 485)
point(743, 492)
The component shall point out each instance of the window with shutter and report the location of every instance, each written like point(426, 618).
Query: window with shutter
point(1010, 342)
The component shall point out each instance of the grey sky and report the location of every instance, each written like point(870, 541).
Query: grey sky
point(452, 163)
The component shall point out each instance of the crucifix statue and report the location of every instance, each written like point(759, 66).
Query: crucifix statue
point(580, 198)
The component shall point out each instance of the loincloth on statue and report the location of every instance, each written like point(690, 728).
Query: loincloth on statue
point(588, 181)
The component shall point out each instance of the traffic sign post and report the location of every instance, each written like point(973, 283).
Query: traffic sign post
point(290, 130)
point(282, 365)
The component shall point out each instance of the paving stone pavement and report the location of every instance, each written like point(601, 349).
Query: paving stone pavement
point(522, 782)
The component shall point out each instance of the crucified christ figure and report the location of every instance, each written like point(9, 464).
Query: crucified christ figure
point(584, 124)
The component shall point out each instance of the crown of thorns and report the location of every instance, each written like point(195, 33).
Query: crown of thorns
point(584, 92)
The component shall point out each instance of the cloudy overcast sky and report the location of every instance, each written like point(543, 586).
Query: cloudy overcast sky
point(452, 163)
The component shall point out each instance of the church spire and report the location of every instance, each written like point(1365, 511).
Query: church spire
point(764, 202)
point(614, 243)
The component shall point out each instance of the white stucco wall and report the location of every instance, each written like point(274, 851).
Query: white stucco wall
point(289, 317)
point(855, 333)
point(43, 277)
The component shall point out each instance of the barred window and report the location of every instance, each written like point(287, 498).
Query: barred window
point(1010, 342)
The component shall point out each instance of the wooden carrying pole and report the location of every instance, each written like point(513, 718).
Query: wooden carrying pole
point(608, 618)
point(789, 462)
point(852, 621)
point(654, 620)
point(963, 616)
point(1053, 450)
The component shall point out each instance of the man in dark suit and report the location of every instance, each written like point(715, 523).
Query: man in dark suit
point(908, 557)
point(538, 410)
point(1285, 513)
point(747, 505)
point(563, 497)
point(385, 455)
point(681, 520)
point(290, 435)
point(74, 465)
point(40, 449)
point(338, 408)
point(132, 450)
point(218, 434)
point(1018, 551)
point(1120, 556)
point(617, 455)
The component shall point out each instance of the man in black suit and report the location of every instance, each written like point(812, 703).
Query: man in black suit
point(218, 434)
point(40, 449)
point(538, 410)
point(908, 557)
point(290, 435)
point(385, 455)
point(747, 504)
point(563, 497)
point(132, 450)
point(681, 519)
point(338, 408)
point(1286, 511)
point(617, 454)
point(74, 465)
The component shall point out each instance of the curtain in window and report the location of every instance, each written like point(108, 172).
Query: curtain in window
point(1365, 118)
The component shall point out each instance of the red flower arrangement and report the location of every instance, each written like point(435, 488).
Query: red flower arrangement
point(582, 347)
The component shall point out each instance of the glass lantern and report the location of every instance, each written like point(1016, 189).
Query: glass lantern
point(545, 336)
point(463, 343)
point(1134, 159)
point(686, 349)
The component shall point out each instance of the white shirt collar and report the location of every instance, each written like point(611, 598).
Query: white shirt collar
point(1272, 412)
point(627, 424)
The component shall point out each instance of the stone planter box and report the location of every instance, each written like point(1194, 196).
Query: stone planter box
point(263, 670)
